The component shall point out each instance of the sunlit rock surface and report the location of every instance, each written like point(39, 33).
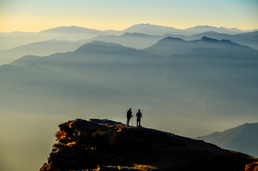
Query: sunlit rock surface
point(105, 145)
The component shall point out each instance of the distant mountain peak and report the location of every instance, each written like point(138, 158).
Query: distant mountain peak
point(207, 39)
point(223, 42)
point(103, 43)
point(211, 40)
point(173, 38)
point(99, 44)
point(105, 48)
point(135, 34)
point(226, 41)
point(71, 30)
point(144, 24)
point(241, 138)
point(25, 60)
point(204, 26)
point(170, 40)
point(150, 25)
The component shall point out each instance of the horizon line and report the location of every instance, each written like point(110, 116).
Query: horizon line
point(129, 27)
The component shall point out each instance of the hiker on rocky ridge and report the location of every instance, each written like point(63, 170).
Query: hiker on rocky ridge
point(139, 115)
point(129, 115)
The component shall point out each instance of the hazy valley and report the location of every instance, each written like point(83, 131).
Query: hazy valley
point(190, 82)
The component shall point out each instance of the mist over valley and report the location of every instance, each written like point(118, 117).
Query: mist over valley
point(189, 82)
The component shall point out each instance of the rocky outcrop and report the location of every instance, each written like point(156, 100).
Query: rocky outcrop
point(252, 167)
point(106, 145)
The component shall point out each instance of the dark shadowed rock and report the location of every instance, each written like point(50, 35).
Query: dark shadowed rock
point(109, 146)
point(252, 167)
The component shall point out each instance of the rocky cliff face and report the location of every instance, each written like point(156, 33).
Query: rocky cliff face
point(107, 145)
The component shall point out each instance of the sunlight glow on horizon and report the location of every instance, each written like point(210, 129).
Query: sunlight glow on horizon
point(27, 26)
point(35, 16)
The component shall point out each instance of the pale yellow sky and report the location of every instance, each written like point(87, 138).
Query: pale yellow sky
point(34, 16)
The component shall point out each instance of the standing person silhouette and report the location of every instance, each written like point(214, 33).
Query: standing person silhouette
point(139, 115)
point(129, 115)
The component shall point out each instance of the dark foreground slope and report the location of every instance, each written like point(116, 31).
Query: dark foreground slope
point(103, 143)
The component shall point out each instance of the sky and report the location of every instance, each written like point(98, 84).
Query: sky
point(37, 15)
point(24, 146)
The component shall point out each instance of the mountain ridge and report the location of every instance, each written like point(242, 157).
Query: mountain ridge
point(170, 45)
point(73, 33)
point(135, 25)
point(88, 52)
point(161, 30)
point(248, 39)
point(69, 28)
point(235, 138)
point(42, 48)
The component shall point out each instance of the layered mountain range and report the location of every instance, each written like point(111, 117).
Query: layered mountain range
point(217, 70)
point(184, 84)
point(65, 39)
point(73, 33)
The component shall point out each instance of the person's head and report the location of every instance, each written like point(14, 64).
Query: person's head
point(130, 109)
point(139, 110)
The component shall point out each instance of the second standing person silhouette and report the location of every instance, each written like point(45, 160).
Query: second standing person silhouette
point(138, 116)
